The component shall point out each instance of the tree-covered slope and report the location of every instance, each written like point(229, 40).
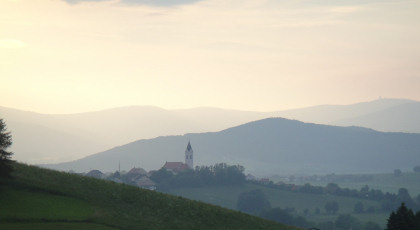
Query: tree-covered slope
point(51, 200)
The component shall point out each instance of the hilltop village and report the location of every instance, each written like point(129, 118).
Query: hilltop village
point(178, 174)
point(141, 178)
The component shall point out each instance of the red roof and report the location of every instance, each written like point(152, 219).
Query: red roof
point(175, 166)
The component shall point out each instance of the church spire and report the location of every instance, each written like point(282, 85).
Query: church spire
point(189, 156)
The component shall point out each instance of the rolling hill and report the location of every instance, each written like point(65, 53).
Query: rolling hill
point(44, 199)
point(46, 138)
point(269, 146)
point(387, 115)
point(398, 118)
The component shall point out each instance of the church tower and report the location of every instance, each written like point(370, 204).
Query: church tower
point(189, 160)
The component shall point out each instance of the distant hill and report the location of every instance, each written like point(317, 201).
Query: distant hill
point(388, 115)
point(44, 199)
point(399, 118)
point(269, 146)
point(43, 138)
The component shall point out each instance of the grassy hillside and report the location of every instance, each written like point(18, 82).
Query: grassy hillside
point(228, 196)
point(44, 199)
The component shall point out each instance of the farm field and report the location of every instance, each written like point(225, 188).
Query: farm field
point(228, 196)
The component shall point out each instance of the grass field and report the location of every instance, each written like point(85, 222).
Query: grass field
point(44, 199)
point(26, 205)
point(228, 196)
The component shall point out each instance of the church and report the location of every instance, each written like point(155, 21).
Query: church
point(180, 166)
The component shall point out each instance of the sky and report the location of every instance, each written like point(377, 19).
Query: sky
point(70, 56)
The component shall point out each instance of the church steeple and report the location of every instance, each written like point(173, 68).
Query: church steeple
point(189, 160)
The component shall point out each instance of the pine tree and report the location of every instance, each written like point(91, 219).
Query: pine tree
point(5, 156)
point(417, 220)
point(403, 219)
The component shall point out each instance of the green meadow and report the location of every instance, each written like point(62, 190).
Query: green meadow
point(228, 196)
point(44, 199)
point(25, 205)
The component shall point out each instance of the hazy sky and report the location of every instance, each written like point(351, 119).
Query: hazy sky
point(70, 56)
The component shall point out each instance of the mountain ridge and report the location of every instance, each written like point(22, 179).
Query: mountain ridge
point(269, 146)
point(83, 134)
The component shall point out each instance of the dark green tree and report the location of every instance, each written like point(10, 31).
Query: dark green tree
point(359, 207)
point(162, 175)
point(332, 207)
point(332, 188)
point(5, 156)
point(253, 202)
point(402, 219)
point(163, 178)
point(229, 174)
point(417, 220)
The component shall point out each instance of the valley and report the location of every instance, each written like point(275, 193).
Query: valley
point(301, 168)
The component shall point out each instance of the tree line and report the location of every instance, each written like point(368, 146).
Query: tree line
point(403, 218)
point(389, 201)
point(218, 174)
point(5, 156)
point(256, 203)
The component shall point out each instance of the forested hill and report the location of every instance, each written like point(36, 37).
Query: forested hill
point(44, 199)
point(270, 146)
